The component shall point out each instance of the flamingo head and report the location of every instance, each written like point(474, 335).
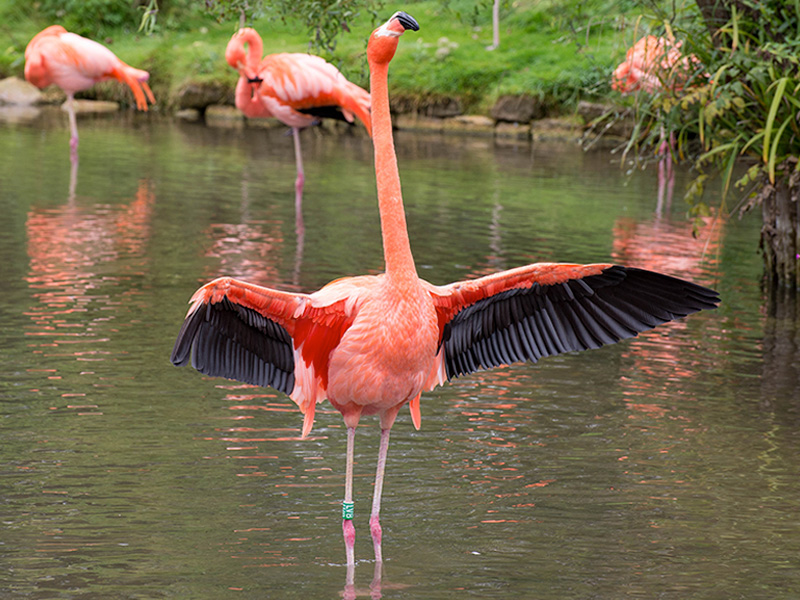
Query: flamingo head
point(244, 50)
point(383, 41)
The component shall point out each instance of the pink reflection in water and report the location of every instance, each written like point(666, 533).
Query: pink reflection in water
point(669, 246)
point(244, 250)
point(76, 253)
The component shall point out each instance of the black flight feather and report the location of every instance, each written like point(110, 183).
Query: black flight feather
point(544, 320)
point(224, 339)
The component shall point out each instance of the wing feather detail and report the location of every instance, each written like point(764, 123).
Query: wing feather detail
point(267, 337)
point(546, 309)
point(240, 331)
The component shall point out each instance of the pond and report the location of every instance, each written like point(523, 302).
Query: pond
point(664, 466)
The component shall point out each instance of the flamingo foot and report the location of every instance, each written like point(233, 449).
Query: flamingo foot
point(377, 535)
point(349, 531)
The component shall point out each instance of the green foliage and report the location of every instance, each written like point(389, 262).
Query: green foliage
point(91, 18)
point(183, 42)
point(744, 106)
point(324, 20)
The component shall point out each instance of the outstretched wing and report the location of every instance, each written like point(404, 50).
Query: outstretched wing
point(240, 331)
point(546, 309)
point(267, 337)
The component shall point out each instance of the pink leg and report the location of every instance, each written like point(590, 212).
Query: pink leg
point(299, 226)
point(301, 178)
point(348, 529)
point(374, 519)
point(73, 128)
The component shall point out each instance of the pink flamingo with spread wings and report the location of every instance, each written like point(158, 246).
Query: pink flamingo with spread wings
point(75, 63)
point(372, 344)
point(297, 89)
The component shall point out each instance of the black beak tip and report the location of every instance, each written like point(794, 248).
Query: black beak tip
point(407, 21)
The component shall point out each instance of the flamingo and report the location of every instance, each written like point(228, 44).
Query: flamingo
point(75, 63)
point(372, 344)
point(656, 64)
point(298, 89)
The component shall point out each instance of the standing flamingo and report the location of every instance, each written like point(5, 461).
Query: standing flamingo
point(75, 63)
point(297, 89)
point(372, 344)
point(657, 64)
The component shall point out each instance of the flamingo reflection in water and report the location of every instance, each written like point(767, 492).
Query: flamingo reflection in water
point(373, 344)
point(69, 247)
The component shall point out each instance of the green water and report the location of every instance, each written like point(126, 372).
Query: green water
point(663, 467)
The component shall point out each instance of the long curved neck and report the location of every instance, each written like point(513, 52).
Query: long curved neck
point(396, 246)
point(255, 48)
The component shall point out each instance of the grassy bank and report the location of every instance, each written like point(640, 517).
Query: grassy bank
point(549, 49)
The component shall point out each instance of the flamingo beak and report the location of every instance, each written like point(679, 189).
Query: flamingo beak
point(407, 21)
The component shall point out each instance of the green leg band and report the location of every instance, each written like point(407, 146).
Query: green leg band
point(347, 511)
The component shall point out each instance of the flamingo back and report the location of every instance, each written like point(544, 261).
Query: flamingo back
point(304, 81)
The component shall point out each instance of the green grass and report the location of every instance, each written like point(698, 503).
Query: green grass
point(545, 50)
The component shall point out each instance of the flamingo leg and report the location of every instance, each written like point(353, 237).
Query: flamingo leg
point(301, 178)
point(73, 128)
point(374, 519)
point(348, 530)
point(299, 226)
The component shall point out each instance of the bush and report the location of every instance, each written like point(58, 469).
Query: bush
point(91, 18)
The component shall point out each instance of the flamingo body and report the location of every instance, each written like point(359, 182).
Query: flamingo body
point(653, 64)
point(292, 87)
point(372, 344)
point(75, 63)
point(297, 89)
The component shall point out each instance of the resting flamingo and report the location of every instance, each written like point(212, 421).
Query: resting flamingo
point(372, 344)
point(75, 63)
point(653, 65)
point(297, 89)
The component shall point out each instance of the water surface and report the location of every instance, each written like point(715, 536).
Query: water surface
point(665, 466)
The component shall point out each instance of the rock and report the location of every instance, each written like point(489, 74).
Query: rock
point(223, 116)
point(223, 111)
point(568, 129)
point(89, 107)
point(188, 114)
point(14, 113)
point(16, 91)
point(200, 95)
point(435, 106)
point(592, 110)
point(442, 108)
point(415, 122)
point(517, 109)
point(513, 131)
point(473, 124)
point(606, 119)
point(52, 94)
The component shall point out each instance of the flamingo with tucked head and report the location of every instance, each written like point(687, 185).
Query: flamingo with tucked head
point(373, 344)
point(297, 89)
point(75, 63)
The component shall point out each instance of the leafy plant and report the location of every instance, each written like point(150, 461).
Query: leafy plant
point(747, 103)
point(743, 109)
point(323, 19)
point(88, 17)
